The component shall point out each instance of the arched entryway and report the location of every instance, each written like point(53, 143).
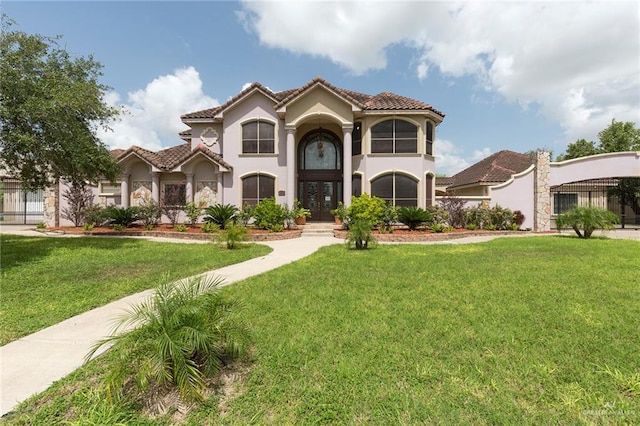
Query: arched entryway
point(320, 173)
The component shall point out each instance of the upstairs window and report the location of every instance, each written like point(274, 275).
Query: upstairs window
point(258, 137)
point(429, 146)
point(394, 137)
point(356, 139)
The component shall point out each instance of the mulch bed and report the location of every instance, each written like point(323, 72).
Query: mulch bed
point(404, 235)
point(166, 231)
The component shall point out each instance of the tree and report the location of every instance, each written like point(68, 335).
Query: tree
point(585, 220)
point(79, 197)
point(617, 137)
point(51, 105)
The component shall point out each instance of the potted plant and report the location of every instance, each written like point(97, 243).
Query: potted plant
point(300, 213)
point(340, 213)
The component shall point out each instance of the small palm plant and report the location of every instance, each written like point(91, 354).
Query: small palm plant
point(178, 337)
point(585, 220)
point(359, 235)
point(232, 236)
point(414, 217)
point(221, 214)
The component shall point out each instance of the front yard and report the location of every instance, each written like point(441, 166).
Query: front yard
point(540, 330)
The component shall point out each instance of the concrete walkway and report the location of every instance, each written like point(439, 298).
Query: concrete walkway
point(32, 363)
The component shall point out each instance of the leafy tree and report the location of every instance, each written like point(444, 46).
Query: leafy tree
point(51, 105)
point(580, 148)
point(585, 220)
point(617, 137)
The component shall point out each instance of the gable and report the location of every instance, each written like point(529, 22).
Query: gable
point(318, 101)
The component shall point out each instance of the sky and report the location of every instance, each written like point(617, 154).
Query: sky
point(517, 75)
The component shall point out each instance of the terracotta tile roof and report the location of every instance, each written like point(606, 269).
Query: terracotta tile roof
point(496, 168)
point(116, 153)
point(169, 158)
point(444, 180)
point(385, 101)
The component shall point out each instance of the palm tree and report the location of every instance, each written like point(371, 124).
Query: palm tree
point(178, 337)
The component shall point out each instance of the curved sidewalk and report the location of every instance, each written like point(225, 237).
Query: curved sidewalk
point(31, 364)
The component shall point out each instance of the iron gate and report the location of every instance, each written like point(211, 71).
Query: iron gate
point(19, 206)
point(614, 194)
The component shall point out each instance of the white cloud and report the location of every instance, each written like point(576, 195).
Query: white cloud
point(450, 159)
point(578, 61)
point(152, 120)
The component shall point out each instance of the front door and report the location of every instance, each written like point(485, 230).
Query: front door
point(320, 174)
point(320, 197)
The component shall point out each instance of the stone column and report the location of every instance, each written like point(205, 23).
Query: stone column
point(189, 187)
point(346, 163)
point(542, 192)
point(124, 190)
point(51, 217)
point(155, 186)
point(291, 164)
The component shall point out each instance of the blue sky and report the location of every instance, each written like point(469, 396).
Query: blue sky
point(511, 75)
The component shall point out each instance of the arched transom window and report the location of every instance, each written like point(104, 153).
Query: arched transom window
point(394, 137)
point(396, 189)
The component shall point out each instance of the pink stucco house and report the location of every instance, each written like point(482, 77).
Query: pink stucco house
point(317, 143)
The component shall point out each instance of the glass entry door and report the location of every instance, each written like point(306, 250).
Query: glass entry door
point(320, 197)
point(320, 174)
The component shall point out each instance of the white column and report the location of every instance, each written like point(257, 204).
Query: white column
point(155, 186)
point(291, 164)
point(220, 188)
point(346, 163)
point(189, 187)
point(124, 190)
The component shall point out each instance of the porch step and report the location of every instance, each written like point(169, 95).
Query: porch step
point(318, 229)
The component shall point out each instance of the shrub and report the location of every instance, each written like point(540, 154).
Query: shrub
point(79, 197)
point(359, 235)
point(518, 218)
point(121, 216)
point(220, 214)
point(454, 206)
point(439, 216)
point(232, 236)
point(500, 217)
point(479, 216)
point(412, 216)
point(389, 218)
point(270, 215)
point(585, 220)
point(245, 215)
point(94, 215)
point(149, 212)
point(210, 227)
point(439, 228)
point(171, 203)
point(192, 211)
point(366, 208)
point(181, 227)
point(178, 337)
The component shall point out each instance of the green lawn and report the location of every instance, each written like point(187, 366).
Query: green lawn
point(540, 330)
point(46, 280)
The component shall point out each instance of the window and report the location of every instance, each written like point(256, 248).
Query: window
point(258, 137)
point(356, 139)
point(356, 185)
point(429, 190)
point(564, 202)
point(396, 189)
point(394, 136)
point(429, 145)
point(256, 188)
point(174, 194)
point(107, 188)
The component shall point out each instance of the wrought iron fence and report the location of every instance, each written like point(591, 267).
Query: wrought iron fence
point(19, 206)
point(618, 195)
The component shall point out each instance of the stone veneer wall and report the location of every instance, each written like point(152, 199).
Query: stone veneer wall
point(51, 218)
point(542, 192)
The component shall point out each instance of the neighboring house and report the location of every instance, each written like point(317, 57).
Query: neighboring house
point(317, 143)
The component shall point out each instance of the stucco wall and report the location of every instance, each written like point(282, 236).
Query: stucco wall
point(621, 164)
point(517, 194)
